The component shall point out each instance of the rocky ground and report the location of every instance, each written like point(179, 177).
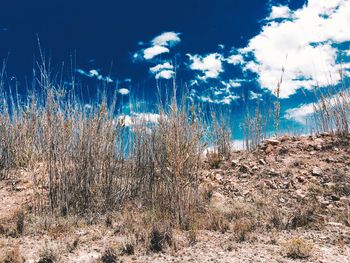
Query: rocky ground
point(287, 201)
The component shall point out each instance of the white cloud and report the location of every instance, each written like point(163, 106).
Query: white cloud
point(154, 51)
point(138, 119)
point(303, 44)
point(167, 39)
point(254, 96)
point(348, 53)
point(93, 73)
point(160, 67)
point(231, 84)
point(123, 91)
point(159, 45)
point(280, 12)
point(331, 103)
point(301, 113)
point(163, 71)
point(210, 66)
point(235, 59)
point(165, 74)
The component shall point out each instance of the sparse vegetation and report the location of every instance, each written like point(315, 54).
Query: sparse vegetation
point(148, 181)
point(109, 256)
point(297, 248)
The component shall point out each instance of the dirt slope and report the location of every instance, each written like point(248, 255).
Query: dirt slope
point(292, 190)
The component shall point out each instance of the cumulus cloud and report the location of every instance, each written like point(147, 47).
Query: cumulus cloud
point(165, 74)
point(163, 71)
point(160, 67)
point(123, 91)
point(210, 66)
point(159, 45)
point(167, 39)
point(235, 59)
point(151, 52)
point(280, 12)
point(303, 44)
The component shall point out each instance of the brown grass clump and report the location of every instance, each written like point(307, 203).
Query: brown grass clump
point(161, 236)
point(12, 255)
point(297, 248)
point(49, 254)
point(214, 160)
point(20, 222)
point(109, 256)
point(94, 162)
point(243, 229)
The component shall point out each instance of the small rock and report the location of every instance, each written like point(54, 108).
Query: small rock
point(300, 193)
point(271, 184)
point(335, 198)
point(244, 168)
point(262, 162)
point(335, 224)
point(218, 177)
point(285, 138)
point(243, 175)
point(269, 149)
point(246, 192)
point(319, 141)
point(272, 142)
point(273, 172)
point(316, 171)
point(234, 162)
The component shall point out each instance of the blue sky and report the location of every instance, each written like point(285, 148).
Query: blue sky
point(225, 53)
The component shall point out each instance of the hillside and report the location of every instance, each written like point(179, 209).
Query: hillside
point(286, 201)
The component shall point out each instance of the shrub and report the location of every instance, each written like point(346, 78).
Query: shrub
point(109, 256)
point(297, 248)
point(160, 237)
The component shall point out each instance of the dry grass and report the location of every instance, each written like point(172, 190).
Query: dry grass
point(12, 255)
point(297, 248)
point(93, 162)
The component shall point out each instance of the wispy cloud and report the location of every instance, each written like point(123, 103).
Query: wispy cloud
point(160, 67)
point(151, 52)
point(167, 39)
point(301, 113)
point(163, 71)
point(159, 45)
point(93, 73)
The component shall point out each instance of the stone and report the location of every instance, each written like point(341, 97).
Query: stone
point(285, 138)
point(234, 162)
point(218, 177)
point(262, 162)
point(300, 193)
point(269, 149)
point(244, 168)
point(335, 198)
point(316, 171)
point(273, 142)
